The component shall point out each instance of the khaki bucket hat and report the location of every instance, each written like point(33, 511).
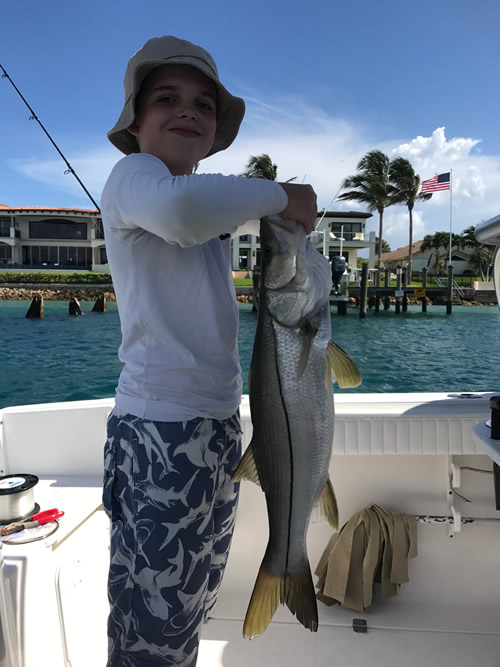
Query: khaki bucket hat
point(170, 50)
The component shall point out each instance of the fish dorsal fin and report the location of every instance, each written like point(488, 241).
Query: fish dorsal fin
point(325, 508)
point(341, 366)
point(307, 333)
point(246, 468)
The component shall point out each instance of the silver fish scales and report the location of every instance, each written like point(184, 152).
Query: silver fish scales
point(291, 403)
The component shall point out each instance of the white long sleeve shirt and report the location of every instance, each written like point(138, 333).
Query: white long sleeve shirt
point(173, 284)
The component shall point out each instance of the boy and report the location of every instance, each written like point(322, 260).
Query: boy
point(174, 436)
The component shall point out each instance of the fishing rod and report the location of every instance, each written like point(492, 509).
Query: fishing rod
point(33, 116)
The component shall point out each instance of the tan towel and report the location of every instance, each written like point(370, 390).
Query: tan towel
point(374, 545)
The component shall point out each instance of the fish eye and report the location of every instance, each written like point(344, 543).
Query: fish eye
point(268, 251)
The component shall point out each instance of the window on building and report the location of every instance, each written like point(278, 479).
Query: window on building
point(5, 254)
point(347, 230)
point(103, 256)
point(245, 238)
point(58, 229)
point(5, 227)
point(57, 256)
point(99, 229)
point(244, 258)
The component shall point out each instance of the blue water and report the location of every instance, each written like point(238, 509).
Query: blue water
point(64, 358)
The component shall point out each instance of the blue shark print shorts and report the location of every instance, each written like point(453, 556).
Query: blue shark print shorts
point(172, 505)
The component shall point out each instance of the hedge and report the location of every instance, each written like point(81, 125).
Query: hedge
point(61, 278)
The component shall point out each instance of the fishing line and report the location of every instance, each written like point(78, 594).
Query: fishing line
point(325, 210)
point(33, 116)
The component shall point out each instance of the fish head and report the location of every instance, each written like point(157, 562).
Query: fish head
point(296, 277)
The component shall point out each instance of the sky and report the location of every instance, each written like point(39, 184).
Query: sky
point(324, 82)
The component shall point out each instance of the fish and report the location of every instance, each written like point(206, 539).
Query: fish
point(292, 411)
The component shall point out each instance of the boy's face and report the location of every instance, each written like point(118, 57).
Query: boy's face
point(176, 116)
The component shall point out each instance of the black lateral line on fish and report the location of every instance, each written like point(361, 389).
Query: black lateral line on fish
point(291, 467)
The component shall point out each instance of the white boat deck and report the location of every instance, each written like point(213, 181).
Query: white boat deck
point(447, 615)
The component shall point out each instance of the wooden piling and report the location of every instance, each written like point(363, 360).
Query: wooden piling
point(100, 304)
point(363, 290)
point(424, 285)
point(397, 309)
point(74, 307)
point(449, 296)
point(405, 296)
point(387, 298)
point(342, 308)
point(35, 311)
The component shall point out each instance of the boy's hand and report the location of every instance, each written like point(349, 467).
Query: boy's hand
point(302, 205)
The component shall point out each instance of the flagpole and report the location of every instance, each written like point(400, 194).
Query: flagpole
point(450, 213)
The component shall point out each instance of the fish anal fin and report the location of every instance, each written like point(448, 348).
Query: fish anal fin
point(266, 595)
point(343, 368)
point(246, 468)
point(326, 506)
point(300, 598)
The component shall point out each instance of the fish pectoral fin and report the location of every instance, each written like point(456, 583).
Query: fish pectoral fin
point(326, 505)
point(246, 467)
point(296, 591)
point(308, 333)
point(341, 366)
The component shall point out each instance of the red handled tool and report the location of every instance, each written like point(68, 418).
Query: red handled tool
point(33, 522)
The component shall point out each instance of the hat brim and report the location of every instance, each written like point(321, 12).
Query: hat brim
point(230, 109)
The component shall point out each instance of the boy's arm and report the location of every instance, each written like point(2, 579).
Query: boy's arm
point(186, 210)
point(302, 207)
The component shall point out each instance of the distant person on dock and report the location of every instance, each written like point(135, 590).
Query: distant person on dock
point(174, 435)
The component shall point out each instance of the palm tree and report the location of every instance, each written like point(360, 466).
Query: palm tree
point(370, 186)
point(405, 186)
point(261, 166)
point(482, 255)
point(385, 246)
point(436, 242)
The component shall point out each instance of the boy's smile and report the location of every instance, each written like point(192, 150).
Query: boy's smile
point(176, 113)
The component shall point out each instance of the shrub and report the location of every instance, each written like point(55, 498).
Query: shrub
point(61, 278)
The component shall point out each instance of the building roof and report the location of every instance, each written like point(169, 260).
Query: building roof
point(344, 214)
point(401, 253)
point(48, 209)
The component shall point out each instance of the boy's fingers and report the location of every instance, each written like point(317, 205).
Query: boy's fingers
point(302, 205)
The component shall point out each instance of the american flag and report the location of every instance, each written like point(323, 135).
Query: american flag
point(437, 183)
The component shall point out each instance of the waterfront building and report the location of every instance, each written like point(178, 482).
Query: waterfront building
point(36, 237)
point(421, 259)
point(335, 231)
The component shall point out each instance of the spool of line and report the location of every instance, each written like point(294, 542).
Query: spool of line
point(17, 497)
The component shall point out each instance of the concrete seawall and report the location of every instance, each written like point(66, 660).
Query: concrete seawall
point(65, 291)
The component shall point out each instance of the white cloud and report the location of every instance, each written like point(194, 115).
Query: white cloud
point(306, 142)
point(92, 168)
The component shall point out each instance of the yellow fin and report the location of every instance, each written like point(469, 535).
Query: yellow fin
point(327, 505)
point(343, 368)
point(296, 591)
point(246, 468)
point(300, 598)
point(266, 596)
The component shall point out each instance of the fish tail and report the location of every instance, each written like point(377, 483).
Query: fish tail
point(300, 598)
point(266, 596)
point(296, 591)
